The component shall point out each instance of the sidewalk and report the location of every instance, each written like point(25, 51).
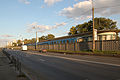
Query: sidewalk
point(7, 72)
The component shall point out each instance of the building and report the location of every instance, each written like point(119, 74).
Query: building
point(83, 37)
point(101, 35)
point(105, 40)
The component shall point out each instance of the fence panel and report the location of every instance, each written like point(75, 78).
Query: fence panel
point(108, 45)
point(71, 47)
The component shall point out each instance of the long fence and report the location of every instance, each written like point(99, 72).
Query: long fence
point(107, 45)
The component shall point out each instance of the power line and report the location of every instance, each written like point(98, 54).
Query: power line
point(90, 10)
point(80, 14)
point(108, 6)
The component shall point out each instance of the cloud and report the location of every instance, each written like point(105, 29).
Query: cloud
point(42, 6)
point(83, 9)
point(42, 28)
point(4, 40)
point(76, 0)
point(25, 1)
point(58, 25)
point(7, 36)
point(48, 2)
point(51, 2)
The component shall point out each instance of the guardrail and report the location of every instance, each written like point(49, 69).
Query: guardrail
point(13, 60)
point(16, 63)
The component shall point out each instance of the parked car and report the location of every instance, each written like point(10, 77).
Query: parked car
point(43, 50)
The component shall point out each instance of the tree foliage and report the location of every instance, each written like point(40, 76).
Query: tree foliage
point(19, 42)
point(50, 36)
point(100, 24)
point(72, 31)
point(33, 40)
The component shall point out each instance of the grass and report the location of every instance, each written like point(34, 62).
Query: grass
point(68, 51)
point(108, 52)
point(88, 52)
point(22, 75)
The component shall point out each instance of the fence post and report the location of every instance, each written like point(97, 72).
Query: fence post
point(119, 45)
point(75, 46)
point(48, 46)
point(102, 45)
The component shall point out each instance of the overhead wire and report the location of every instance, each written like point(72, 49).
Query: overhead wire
point(80, 14)
point(108, 6)
point(72, 19)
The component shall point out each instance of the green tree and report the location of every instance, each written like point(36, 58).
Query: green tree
point(42, 38)
point(14, 44)
point(33, 40)
point(73, 30)
point(27, 41)
point(100, 24)
point(50, 36)
point(19, 42)
point(105, 24)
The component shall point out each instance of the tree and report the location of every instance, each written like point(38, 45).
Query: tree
point(100, 24)
point(19, 42)
point(72, 31)
point(50, 36)
point(27, 41)
point(42, 38)
point(105, 24)
point(14, 44)
point(33, 40)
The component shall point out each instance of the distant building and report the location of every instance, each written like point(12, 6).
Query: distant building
point(12, 43)
point(9, 43)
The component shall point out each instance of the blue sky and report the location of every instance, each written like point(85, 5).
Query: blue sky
point(18, 17)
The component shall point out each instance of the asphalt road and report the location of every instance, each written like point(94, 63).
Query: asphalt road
point(67, 67)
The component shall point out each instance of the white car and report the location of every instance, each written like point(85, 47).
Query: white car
point(24, 47)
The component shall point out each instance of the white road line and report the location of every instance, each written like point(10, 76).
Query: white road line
point(80, 60)
point(42, 60)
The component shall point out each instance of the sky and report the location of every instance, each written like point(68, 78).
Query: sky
point(20, 19)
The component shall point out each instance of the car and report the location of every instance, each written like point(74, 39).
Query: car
point(43, 50)
point(24, 47)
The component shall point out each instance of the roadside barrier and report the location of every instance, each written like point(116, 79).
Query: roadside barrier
point(13, 60)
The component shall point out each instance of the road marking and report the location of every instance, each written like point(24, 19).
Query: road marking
point(80, 60)
point(42, 60)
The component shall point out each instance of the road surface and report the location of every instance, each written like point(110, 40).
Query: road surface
point(52, 66)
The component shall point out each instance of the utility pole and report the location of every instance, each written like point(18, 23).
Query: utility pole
point(36, 41)
point(22, 41)
point(93, 44)
point(6, 44)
